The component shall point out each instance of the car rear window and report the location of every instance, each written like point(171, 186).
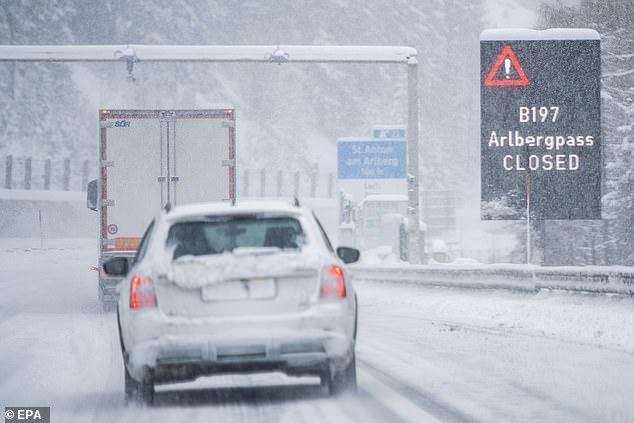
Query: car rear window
point(216, 235)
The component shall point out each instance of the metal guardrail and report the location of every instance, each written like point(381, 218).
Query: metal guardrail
point(612, 280)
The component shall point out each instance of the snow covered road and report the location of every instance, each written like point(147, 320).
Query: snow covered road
point(503, 356)
point(425, 354)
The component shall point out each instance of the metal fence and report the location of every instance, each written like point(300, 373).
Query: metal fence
point(281, 183)
point(19, 172)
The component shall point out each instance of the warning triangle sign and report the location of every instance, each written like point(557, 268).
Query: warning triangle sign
point(512, 74)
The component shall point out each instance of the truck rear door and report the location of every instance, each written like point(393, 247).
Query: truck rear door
point(130, 163)
point(204, 154)
point(153, 157)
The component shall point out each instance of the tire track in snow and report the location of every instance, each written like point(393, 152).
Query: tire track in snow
point(426, 406)
point(113, 375)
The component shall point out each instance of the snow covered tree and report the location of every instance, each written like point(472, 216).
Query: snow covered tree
point(611, 241)
point(38, 101)
point(289, 116)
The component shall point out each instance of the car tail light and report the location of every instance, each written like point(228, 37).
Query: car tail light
point(332, 282)
point(142, 294)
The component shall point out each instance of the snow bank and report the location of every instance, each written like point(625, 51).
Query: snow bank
point(379, 256)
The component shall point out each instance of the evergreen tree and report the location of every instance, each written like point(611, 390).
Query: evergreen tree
point(289, 115)
point(39, 102)
point(610, 241)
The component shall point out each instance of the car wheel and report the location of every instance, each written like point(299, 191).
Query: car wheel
point(138, 392)
point(344, 380)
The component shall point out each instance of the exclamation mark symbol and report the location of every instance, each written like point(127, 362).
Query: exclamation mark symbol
point(507, 67)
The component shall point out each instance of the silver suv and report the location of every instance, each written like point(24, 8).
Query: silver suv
point(219, 288)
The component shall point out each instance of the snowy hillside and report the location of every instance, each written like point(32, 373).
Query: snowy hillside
point(289, 116)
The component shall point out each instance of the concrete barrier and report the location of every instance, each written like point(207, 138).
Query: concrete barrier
point(45, 214)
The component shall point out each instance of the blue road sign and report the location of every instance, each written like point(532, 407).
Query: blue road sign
point(365, 159)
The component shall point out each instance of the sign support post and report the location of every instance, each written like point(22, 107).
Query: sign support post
point(528, 218)
point(413, 208)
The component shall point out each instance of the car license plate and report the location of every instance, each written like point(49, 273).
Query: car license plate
point(251, 289)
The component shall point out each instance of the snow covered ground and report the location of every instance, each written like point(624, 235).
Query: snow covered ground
point(424, 354)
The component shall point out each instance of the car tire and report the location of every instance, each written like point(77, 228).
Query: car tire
point(344, 381)
point(136, 392)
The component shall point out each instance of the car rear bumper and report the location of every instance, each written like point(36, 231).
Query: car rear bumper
point(303, 352)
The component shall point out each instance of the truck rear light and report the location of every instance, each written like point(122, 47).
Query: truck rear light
point(332, 282)
point(142, 294)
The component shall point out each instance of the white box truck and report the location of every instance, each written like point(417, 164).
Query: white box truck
point(152, 158)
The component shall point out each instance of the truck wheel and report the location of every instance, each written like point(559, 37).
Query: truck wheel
point(138, 392)
point(344, 380)
point(103, 304)
point(106, 307)
point(100, 297)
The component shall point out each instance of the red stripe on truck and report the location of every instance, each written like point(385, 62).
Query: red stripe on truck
point(103, 116)
point(232, 170)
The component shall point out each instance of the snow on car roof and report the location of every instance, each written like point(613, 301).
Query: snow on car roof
point(206, 209)
point(502, 34)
